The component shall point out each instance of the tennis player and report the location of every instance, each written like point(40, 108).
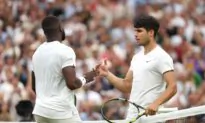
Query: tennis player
point(150, 79)
point(54, 77)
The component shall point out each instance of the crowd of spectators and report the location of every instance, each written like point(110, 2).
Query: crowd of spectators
point(96, 29)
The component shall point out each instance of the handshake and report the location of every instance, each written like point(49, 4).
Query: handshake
point(99, 70)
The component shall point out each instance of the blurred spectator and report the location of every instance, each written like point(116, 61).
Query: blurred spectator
point(24, 110)
point(98, 29)
point(4, 115)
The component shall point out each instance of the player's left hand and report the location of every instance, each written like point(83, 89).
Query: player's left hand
point(152, 109)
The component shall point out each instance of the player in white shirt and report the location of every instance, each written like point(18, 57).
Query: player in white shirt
point(150, 79)
point(54, 77)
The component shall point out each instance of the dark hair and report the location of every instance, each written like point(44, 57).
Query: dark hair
point(51, 25)
point(148, 22)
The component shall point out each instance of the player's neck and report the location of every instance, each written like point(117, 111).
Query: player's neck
point(148, 48)
point(52, 39)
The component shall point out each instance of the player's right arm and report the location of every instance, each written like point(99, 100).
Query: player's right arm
point(71, 80)
point(68, 58)
point(122, 84)
point(74, 82)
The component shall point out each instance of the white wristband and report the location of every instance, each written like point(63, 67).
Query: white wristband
point(83, 80)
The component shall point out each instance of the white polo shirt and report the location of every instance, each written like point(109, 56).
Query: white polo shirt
point(53, 98)
point(148, 83)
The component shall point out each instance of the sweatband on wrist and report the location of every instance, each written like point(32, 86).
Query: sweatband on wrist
point(83, 80)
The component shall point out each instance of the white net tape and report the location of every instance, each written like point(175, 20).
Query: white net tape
point(175, 115)
point(157, 118)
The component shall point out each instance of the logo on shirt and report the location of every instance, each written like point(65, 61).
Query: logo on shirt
point(148, 61)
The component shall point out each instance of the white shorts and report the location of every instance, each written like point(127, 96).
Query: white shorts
point(74, 119)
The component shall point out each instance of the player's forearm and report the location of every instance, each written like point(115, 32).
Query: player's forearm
point(77, 84)
point(168, 94)
point(118, 83)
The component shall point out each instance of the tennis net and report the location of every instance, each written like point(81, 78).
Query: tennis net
point(190, 115)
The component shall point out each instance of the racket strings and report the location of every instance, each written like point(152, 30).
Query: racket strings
point(116, 108)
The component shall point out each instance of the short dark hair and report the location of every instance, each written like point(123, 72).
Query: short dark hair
point(148, 22)
point(51, 25)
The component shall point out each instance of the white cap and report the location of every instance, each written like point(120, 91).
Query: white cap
point(178, 22)
point(68, 32)
point(176, 40)
point(50, 1)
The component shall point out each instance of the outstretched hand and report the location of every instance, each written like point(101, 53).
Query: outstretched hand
point(102, 69)
point(89, 76)
point(99, 70)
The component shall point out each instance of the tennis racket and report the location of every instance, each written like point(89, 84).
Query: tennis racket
point(140, 109)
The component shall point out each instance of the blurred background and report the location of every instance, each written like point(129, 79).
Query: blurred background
point(96, 29)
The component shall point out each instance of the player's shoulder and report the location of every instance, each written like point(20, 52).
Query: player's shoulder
point(162, 54)
point(64, 47)
point(38, 49)
point(65, 50)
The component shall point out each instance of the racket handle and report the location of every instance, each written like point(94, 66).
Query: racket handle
point(142, 113)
